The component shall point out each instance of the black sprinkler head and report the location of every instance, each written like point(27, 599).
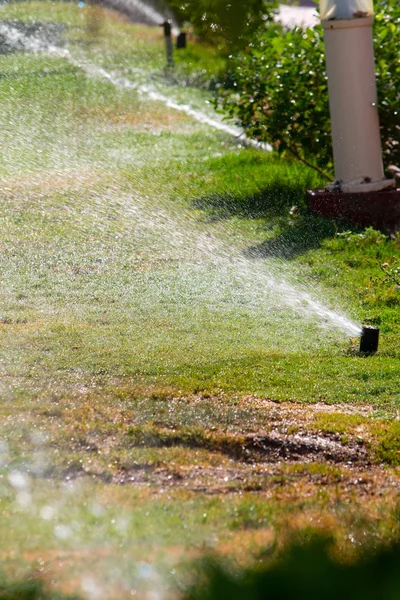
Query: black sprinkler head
point(167, 28)
point(181, 40)
point(369, 339)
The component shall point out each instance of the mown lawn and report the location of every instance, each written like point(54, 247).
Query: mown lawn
point(167, 387)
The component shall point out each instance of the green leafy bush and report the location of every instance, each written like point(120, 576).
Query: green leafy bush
point(28, 589)
point(308, 572)
point(227, 23)
point(279, 92)
point(387, 55)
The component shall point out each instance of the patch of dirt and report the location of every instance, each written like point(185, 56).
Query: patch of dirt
point(235, 464)
point(218, 445)
point(48, 181)
point(310, 446)
point(302, 411)
point(142, 119)
point(349, 482)
point(150, 121)
point(273, 447)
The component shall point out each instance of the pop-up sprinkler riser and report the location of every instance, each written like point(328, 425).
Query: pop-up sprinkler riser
point(369, 339)
point(168, 42)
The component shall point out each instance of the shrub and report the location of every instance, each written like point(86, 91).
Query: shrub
point(227, 23)
point(387, 53)
point(28, 589)
point(279, 92)
point(308, 572)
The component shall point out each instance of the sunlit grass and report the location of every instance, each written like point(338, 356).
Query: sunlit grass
point(139, 339)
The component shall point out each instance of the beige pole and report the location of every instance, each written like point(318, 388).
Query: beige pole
point(357, 149)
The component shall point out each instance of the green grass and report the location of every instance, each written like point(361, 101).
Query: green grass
point(140, 339)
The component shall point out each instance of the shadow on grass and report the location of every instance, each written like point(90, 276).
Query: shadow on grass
point(307, 234)
point(274, 200)
point(280, 203)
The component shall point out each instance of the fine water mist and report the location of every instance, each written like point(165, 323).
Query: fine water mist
point(261, 280)
point(138, 254)
point(142, 12)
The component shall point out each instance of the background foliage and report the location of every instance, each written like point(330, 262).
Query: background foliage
point(279, 94)
point(227, 23)
point(309, 572)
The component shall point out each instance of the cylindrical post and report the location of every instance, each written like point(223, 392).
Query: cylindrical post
point(353, 104)
point(360, 192)
point(356, 138)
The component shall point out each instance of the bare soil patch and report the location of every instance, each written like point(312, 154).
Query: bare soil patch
point(216, 445)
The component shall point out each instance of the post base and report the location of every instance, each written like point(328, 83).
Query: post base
point(380, 209)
